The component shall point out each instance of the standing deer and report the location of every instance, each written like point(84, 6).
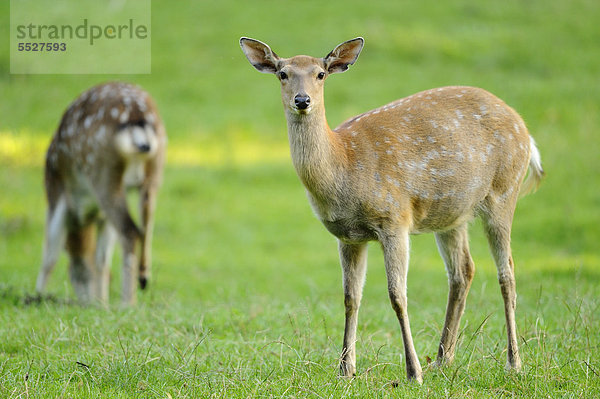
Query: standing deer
point(430, 162)
point(110, 139)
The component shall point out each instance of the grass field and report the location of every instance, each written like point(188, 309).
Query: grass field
point(246, 297)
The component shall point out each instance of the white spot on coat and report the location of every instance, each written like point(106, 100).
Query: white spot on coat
point(101, 133)
point(149, 117)
point(100, 113)
point(141, 104)
point(124, 116)
point(389, 199)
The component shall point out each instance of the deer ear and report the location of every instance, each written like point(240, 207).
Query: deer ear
point(260, 55)
point(343, 55)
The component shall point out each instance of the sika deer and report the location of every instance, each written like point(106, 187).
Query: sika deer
point(110, 139)
point(429, 162)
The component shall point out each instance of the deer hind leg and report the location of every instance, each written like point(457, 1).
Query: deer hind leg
point(353, 258)
point(81, 245)
point(396, 255)
point(104, 250)
point(53, 242)
point(453, 246)
point(498, 234)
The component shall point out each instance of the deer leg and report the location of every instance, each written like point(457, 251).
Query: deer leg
point(498, 235)
point(53, 242)
point(81, 246)
point(353, 258)
point(104, 251)
point(396, 255)
point(453, 246)
point(147, 206)
point(114, 205)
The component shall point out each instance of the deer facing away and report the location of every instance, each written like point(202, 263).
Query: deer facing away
point(429, 162)
point(109, 140)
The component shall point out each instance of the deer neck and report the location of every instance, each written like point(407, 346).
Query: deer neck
point(317, 153)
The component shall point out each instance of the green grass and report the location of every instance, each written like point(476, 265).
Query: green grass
point(246, 297)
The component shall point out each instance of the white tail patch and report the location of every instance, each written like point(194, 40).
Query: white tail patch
point(536, 172)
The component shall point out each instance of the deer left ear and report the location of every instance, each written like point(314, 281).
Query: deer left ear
point(343, 55)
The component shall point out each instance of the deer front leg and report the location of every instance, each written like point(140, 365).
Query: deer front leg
point(395, 250)
point(147, 206)
point(353, 258)
point(114, 205)
point(81, 246)
point(104, 250)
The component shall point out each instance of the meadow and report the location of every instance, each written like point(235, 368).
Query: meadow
point(246, 298)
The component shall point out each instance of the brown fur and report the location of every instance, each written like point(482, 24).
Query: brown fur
point(427, 163)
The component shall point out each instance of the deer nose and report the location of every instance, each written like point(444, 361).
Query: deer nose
point(302, 101)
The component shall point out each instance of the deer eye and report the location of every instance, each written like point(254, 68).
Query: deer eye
point(321, 75)
point(283, 75)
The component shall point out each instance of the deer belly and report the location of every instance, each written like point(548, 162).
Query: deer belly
point(349, 230)
point(82, 204)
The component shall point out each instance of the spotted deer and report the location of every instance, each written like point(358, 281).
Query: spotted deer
point(110, 139)
point(429, 162)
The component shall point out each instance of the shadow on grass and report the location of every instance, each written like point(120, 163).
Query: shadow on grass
point(11, 295)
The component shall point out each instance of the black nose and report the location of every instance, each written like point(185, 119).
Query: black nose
point(302, 101)
point(144, 147)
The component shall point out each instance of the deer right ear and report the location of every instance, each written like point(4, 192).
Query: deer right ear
point(260, 55)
